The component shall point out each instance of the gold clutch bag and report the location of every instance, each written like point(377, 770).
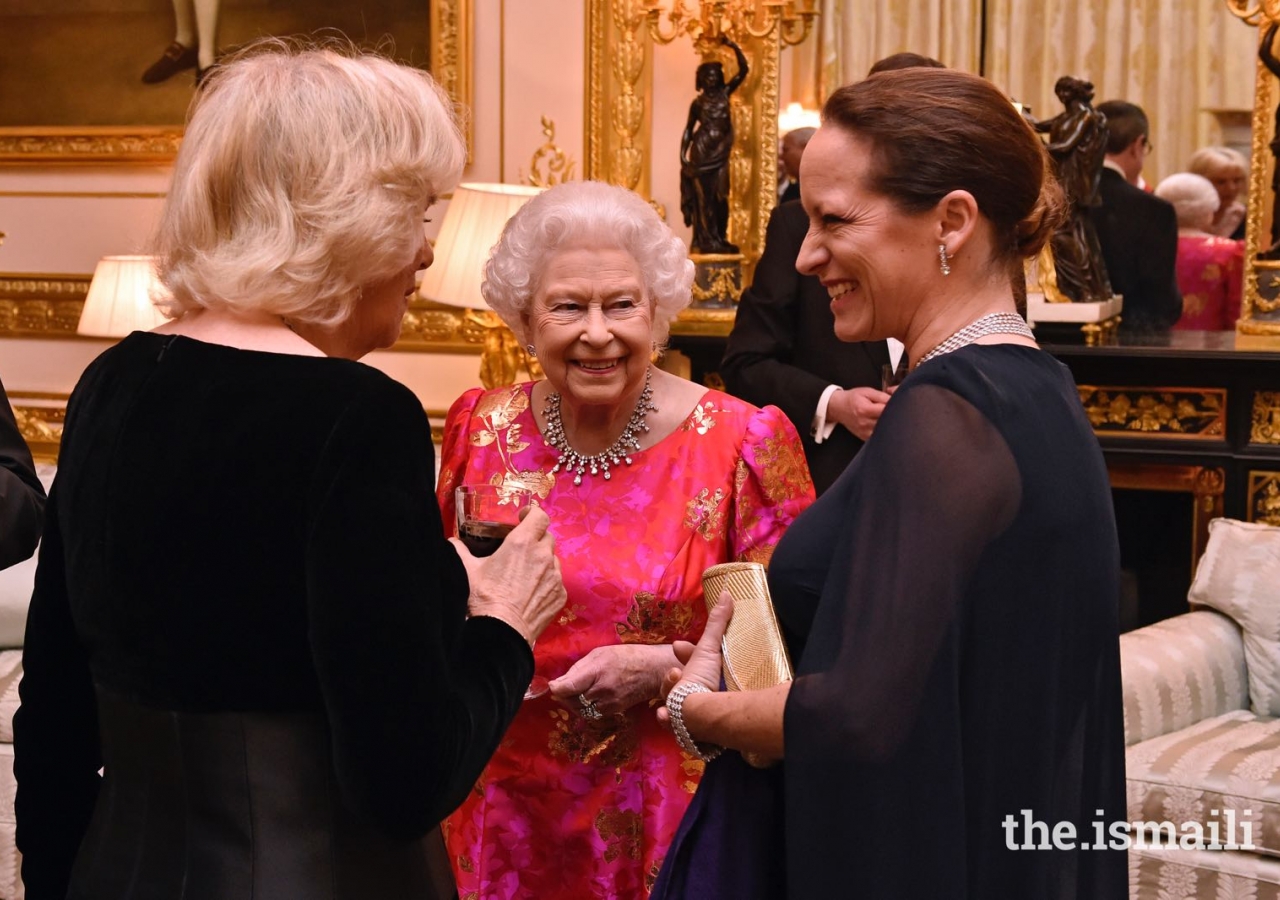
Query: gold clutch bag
point(755, 655)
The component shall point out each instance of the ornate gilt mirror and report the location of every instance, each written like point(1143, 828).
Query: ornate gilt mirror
point(1260, 312)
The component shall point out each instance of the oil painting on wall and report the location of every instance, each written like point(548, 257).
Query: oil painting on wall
point(103, 63)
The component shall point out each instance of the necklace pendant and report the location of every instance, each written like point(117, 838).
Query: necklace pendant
point(594, 470)
point(577, 479)
point(628, 459)
point(607, 476)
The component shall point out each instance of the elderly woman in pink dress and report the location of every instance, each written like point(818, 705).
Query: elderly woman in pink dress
point(648, 479)
point(1210, 268)
point(1226, 169)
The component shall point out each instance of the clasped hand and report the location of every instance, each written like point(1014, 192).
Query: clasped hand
point(857, 409)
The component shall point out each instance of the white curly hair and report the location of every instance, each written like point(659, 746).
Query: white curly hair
point(1194, 198)
point(599, 215)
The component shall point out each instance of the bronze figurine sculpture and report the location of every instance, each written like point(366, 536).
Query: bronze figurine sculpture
point(1078, 146)
point(704, 156)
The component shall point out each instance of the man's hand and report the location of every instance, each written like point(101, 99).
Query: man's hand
point(857, 409)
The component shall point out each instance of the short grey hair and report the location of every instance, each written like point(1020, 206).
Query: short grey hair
point(303, 175)
point(602, 216)
point(1194, 198)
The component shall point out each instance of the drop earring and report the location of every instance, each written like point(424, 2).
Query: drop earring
point(942, 260)
point(531, 350)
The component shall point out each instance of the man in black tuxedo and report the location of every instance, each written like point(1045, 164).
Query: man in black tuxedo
point(793, 144)
point(784, 351)
point(1138, 231)
point(21, 495)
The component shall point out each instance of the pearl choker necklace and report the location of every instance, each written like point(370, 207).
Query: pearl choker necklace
point(992, 323)
point(615, 453)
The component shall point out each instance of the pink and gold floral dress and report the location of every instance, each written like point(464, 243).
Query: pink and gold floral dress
point(574, 808)
point(1211, 278)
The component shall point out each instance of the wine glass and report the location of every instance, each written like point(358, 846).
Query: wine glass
point(486, 515)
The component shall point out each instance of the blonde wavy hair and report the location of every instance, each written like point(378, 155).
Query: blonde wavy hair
point(597, 215)
point(303, 175)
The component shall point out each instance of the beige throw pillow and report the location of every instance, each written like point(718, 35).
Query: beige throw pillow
point(1239, 575)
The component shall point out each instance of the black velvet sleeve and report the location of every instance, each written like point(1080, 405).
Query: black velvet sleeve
point(418, 696)
point(21, 494)
point(758, 362)
point(55, 732)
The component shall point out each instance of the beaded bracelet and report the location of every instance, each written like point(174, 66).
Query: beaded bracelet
point(675, 709)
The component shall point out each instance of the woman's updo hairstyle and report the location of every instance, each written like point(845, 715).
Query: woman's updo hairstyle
point(934, 131)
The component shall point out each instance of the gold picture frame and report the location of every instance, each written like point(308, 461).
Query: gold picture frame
point(450, 24)
point(1260, 309)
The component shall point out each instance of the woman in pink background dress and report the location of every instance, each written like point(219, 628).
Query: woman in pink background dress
point(585, 793)
point(1210, 268)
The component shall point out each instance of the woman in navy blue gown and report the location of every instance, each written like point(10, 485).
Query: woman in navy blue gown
point(951, 600)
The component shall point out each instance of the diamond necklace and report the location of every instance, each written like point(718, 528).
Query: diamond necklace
point(992, 323)
point(615, 453)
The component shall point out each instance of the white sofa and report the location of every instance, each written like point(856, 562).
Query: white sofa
point(15, 593)
point(1202, 733)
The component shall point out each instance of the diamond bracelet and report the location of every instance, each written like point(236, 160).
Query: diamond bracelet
point(675, 709)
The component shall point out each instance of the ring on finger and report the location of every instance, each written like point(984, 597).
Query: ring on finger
point(589, 710)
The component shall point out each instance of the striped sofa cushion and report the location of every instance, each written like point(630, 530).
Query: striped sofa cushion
point(10, 675)
point(1195, 874)
point(1198, 774)
point(1180, 671)
point(1239, 575)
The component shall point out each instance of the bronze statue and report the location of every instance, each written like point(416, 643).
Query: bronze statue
point(1078, 147)
point(704, 156)
point(1266, 53)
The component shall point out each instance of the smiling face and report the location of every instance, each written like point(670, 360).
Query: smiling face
point(876, 261)
point(592, 325)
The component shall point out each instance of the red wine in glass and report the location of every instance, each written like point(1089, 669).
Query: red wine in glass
point(484, 538)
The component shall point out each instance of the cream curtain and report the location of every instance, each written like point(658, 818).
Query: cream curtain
point(1178, 59)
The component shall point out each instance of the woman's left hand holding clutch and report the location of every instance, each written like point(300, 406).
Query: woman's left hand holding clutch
point(701, 661)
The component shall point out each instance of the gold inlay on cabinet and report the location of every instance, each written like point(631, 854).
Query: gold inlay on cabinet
point(1266, 418)
point(1264, 497)
point(1156, 412)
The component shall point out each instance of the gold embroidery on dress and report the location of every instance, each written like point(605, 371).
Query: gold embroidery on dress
point(446, 480)
point(760, 555)
point(701, 420)
point(497, 412)
point(621, 831)
point(693, 769)
point(610, 741)
point(651, 877)
point(703, 513)
point(654, 621)
point(570, 613)
point(784, 471)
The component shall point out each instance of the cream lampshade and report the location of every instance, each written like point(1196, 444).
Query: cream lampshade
point(120, 298)
point(472, 225)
